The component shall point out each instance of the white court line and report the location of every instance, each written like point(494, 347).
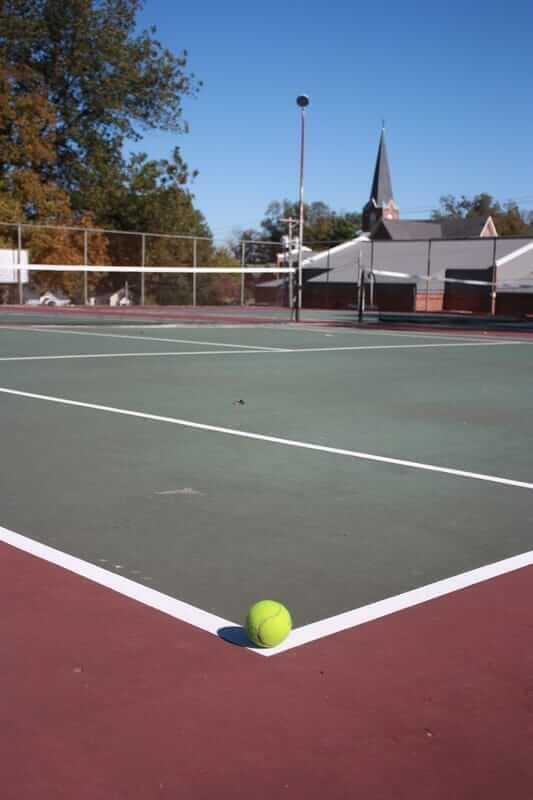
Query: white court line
point(135, 355)
point(273, 439)
point(476, 337)
point(263, 351)
point(37, 329)
point(124, 586)
point(391, 605)
point(211, 623)
point(256, 348)
point(399, 346)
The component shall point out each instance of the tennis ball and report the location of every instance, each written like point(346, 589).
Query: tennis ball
point(268, 623)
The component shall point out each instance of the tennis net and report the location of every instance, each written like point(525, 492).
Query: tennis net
point(99, 294)
point(453, 291)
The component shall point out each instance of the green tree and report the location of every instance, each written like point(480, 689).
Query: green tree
point(105, 81)
point(322, 225)
point(28, 148)
point(508, 218)
point(27, 151)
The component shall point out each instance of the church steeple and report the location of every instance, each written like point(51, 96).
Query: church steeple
point(381, 203)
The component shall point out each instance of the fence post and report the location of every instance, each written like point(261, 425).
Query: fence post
point(243, 264)
point(19, 259)
point(290, 279)
point(372, 277)
point(143, 264)
point(85, 263)
point(357, 277)
point(194, 274)
point(428, 282)
point(493, 287)
point(361, 298)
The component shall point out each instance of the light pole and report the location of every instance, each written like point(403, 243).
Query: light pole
point(302, 101)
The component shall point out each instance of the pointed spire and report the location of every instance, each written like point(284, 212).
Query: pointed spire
point(381, 204)
point(381, 192)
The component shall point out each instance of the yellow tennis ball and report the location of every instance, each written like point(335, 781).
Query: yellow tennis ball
point(268, 623)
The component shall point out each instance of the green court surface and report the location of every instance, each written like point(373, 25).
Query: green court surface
point(154, 315)
point(219, 519)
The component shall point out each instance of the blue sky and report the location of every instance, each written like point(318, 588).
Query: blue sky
point(452, 81)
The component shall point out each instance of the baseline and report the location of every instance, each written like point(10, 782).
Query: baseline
point(213, 624)
point(391, 605)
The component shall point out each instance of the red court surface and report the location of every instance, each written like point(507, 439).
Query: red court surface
point(105, 698)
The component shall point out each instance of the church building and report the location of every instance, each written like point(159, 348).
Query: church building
point(381, 204)
point(429, 265)
point(381, 215)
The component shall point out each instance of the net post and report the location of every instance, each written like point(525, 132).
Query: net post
point(143, 264)
point(361, 298)
point(357, 276)
point(243, 264)
point(195, 265)
point(493, 287)
point(85, 263)
point(291, 280)
point(371, 273)
point(429, 276)
point(19, 259)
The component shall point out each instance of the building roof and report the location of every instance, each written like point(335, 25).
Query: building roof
point(406, 230)
point(343, 262)
point(410, 229)
point(455, 227)
point(346, 256)
point(514, 260)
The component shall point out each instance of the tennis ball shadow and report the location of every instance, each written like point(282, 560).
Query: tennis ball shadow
point(236, 634)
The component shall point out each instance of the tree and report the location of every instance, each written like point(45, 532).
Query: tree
point(322, 225)
point(105, 82)
point(509, 220)
point(27, 152)
point(255, 246)
point(76, 81)
point(28, 147)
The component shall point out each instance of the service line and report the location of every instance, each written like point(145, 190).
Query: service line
point(37, 329)
point(133, 355)
point(262, 351)
point(185, 423)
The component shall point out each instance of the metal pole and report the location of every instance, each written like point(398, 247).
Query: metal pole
point(143, 264)
point(428, 282)
point(493, 287)
point(85, 274)
point(290, 221)
point(19, 258)
point(372, 276)
point(291, 282)
point(195, 265)
point(361, 298)
point(303, 102)
point(357, 276)
point(243, 263)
